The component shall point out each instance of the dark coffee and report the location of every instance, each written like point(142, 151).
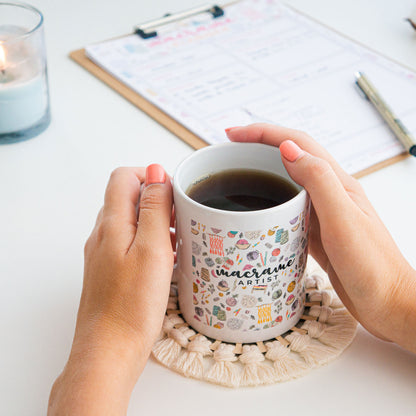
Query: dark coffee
point(242, 190)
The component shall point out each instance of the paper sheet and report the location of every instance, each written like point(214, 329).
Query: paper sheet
point(264, 62)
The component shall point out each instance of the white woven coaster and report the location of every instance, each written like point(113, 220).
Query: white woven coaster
point(323, 333)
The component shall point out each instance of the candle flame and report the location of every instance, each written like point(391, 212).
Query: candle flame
point(2, 57)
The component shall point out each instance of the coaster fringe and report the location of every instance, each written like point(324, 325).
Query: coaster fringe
point(336, 336)
point(172, 302)
point(167, 350)
point(313, 352)
point(255, 371)
point(316, 281)
point(170, 321)
point(224, 371)
point(162, 333)
point(285, 363)
point(191, 362)
point(325, 314)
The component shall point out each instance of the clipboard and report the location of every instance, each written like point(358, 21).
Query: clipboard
point(140, 102)
point(148, 30)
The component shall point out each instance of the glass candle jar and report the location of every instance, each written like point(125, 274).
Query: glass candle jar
point(24, 95)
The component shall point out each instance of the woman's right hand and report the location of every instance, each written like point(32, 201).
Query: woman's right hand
point(347, 237)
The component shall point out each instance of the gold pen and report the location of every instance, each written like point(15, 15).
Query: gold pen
point(385, 111)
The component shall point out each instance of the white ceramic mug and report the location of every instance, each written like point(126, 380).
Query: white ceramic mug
point(239, 274)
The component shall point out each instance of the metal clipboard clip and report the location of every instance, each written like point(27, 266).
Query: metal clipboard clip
point(147, 30)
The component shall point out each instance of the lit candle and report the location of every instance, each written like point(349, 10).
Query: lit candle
point(24, 99)
point(2, 64)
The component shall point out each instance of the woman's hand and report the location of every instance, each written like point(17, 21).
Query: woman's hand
point(347, 237)
point(128, 267)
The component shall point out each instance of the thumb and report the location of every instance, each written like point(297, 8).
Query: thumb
point(155, 209)
point(329, 197)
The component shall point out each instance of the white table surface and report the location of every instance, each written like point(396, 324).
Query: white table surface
point(52, 187)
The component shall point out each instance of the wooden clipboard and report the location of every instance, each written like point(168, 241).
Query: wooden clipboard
point(168, 122)
point(156, 113)
point(171, 124)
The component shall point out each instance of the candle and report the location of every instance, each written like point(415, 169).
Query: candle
point(2, 64)
point(24, 98)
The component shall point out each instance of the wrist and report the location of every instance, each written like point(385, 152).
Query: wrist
point(402, 304)
point(98, 378)
point(393, 315)
point(106, 347)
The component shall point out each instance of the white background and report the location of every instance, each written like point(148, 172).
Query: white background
point(52, 188)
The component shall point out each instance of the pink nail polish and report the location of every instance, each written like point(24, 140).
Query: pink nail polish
point(230, 128)
point(290, 150)
point(155, 174)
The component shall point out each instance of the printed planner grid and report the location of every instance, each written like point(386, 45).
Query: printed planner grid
point(264, 62)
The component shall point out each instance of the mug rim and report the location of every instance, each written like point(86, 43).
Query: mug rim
point(301, 195)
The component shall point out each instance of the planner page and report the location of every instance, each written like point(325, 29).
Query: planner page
point(264, 62)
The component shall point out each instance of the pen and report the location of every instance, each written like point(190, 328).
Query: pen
point(412, 19)
point(385, 111)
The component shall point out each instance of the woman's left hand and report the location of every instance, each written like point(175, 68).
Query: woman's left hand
point(128, 267)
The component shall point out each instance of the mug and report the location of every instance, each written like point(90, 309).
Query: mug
point(239, 274)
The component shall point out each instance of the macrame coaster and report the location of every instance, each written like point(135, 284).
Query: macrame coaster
point(325, 330)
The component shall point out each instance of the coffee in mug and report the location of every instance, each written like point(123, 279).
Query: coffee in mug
point(242, 190)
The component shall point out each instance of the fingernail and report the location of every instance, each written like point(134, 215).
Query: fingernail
point(155, 174)
point(230, 128)
point(290, 150)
